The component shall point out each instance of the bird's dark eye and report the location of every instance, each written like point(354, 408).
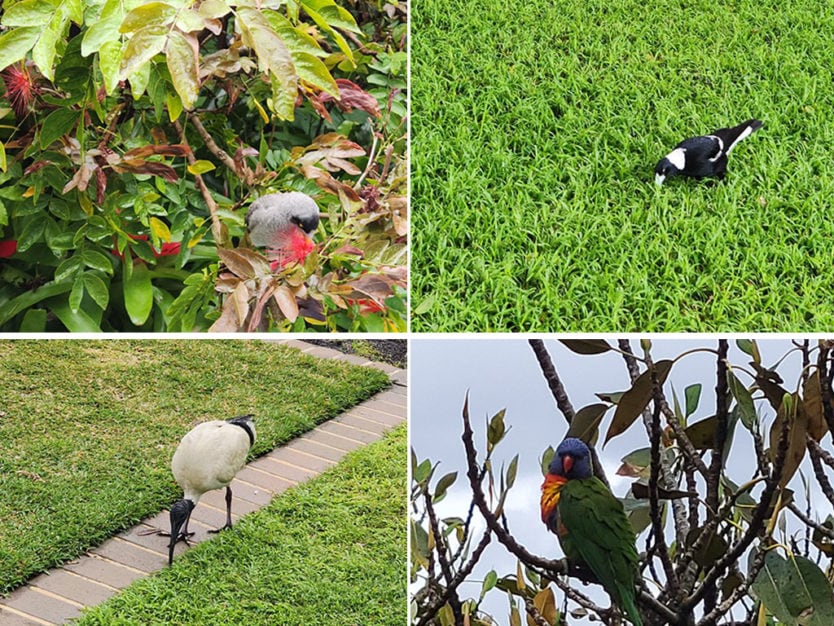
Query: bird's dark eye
point(296, 221)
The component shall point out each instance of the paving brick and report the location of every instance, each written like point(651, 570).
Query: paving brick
point(385, 407)
point(217, 499)
point(290, 473)
point(334, 441)
point(130, 554)
point(323, 353)
point(296, 343)
point(74, 587)
point(293, 456)
point(211, 517)
point(317, 449)
point(388, 398)
point(399, 377)
point(103, 571)
point(246, 491)
point(42, 605)
point(362, 423)
point(268, 482)
point(348, 431)
point(10, 618)
point(379, 416)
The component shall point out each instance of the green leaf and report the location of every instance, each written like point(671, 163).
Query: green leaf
point(182, 64)
point(496, 429)
point(97, 261)
point(30, 298)
point(314, 71)
point(489, 583)
point(160, 229)
point(443, 484)
point(692, 395)
point(69, 267)
point(150, 14)
point(794, 590)
point(201, 167)
point(77, 294)
point(43, 52)
point(56, 125)
point(104, 30)
point(75, 322)
point(14, 44)
point(636, 399)
point(746, 409)
point(512, 471)
point(586, 346)
point(547, 457)
point(32, 234)
point(585, 424)
point(34, 321)
point(109, 61)
point(97, 290)
point(141, 48)
point(138, 294)
point(749, 347)
point(29, 13)
point(3, 166)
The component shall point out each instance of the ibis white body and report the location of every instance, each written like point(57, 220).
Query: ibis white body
point(209, 457)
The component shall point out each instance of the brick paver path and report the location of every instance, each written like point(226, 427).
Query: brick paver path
point(61, 594)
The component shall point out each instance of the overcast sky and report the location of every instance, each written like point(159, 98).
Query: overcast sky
point(502, 372)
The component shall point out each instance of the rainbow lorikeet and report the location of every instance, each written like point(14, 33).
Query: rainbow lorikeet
point(591, 524)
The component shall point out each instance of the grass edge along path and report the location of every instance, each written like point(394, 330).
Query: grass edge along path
point(59, 595)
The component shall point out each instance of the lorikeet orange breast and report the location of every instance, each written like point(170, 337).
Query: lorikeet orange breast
point(591, 524)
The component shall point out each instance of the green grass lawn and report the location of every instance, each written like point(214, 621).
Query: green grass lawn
point(330, 551)
point(536, 127)
point(88, 428)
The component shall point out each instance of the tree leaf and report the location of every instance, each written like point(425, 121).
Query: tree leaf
point(794, 590)
point(496, 429)
point(693, 395)
point(56, 125)
point(749, 347)
point(585, 424)
point(702, 433)
point(443, 484)
point(75, 322)
point(14, 44)
point(812, 403)
point(138, 294)
point(183, 60)
point(145, 44)
point(636, 399)
point(77, 294)
point(586, 346)
point(97, 261)
point(746, 408)
point(97, 290)
point(150, 14)
point(512, 470)
point(285, 298)
point(547, 457)
point(792, 410)
point(201, 167)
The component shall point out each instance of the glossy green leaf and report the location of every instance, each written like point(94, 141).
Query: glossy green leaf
point(32, 233)
point(512, 471)
point(30, 298)
point(14, 44)
point(109, 61)
point(104, 30)
point(56, 125)
point(75, 321)
point(182, 64)
point(145, 44)
point(77, 294)
point(201, 167)
point(313, 71)
point(138, 294)
point(29, 13)
point(34, 321)
point(97, 290)
point(443, 484)
point(43, 52)
point(585, 424)
point(148, 15)
point(97, 261)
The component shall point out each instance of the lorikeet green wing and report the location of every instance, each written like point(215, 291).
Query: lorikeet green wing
point(597, 533)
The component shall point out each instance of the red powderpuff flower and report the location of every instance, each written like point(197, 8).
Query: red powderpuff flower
point(294, 246)
point(20, 89)
point(7, 248)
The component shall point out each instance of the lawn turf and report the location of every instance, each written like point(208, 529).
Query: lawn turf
point(329, 551)
point(88, 428)
point(536, 127)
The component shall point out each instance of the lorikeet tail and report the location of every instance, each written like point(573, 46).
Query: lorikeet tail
point(627, 601)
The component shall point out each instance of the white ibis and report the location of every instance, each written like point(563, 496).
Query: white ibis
point(284, 224)
point(208, 457)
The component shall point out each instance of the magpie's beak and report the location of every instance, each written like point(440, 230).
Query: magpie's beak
point(659, 178)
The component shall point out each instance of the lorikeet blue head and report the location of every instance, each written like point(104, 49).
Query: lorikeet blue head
point(572, 460)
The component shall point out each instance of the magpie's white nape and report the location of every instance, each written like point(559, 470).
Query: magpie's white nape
point(208, 457)
point(705, 155)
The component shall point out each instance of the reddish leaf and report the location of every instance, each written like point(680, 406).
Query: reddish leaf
point(328, 183)
point(352, 96)
point(285, 299)
point(636, 399)
point(174, 150)
point(139, 166)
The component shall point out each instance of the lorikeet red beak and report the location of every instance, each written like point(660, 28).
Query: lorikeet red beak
point(567, 463)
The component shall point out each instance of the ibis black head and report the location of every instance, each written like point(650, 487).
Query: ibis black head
point(247, 423)
point(180, 512)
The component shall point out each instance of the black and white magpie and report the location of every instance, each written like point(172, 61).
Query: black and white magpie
point(208, 457)
point(705, 155)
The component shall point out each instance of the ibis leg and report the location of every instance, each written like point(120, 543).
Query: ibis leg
point(228, 511)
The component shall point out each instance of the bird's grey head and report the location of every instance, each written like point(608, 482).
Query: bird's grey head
point(669, 165)
point(277, 211)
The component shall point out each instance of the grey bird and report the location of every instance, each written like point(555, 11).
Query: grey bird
point(208, 457)
point(283, 223)
point(705, 155)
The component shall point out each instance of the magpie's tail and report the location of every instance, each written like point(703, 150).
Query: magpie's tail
point(731, 136)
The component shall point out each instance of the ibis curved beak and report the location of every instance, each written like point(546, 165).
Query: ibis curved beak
point(180, 512)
